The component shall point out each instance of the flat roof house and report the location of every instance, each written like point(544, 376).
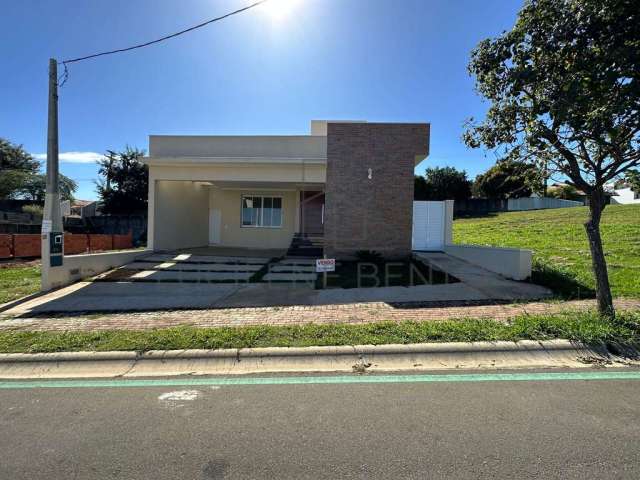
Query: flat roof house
point(347, 183)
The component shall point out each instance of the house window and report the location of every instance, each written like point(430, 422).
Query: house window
point(259, 211)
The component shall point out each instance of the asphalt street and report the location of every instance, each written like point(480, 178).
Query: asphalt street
point(574, 428)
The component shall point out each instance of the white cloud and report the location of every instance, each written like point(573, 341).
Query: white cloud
point(73, 157)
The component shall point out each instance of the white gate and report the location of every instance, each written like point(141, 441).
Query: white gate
point(429, 225)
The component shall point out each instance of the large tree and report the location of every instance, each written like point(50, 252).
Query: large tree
point(564, 91)
point(442, 183)
point(20, 177)
point(509, 179)
point(124, 186)
point(16, 166)
point(34, 187)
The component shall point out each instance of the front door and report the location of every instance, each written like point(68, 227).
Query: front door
point(215, 223)
point(312, 212)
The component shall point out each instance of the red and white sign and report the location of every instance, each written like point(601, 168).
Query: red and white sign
point(325, 265)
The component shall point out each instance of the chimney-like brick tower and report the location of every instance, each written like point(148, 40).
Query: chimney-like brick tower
point(369, 188)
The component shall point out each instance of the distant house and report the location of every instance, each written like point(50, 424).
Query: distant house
point(625, 196)
point(84, 208)
point(583, 196)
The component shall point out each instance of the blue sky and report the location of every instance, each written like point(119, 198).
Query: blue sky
point(256, 73)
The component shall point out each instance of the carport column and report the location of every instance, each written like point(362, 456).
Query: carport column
point(297, 224)
point(151, 209)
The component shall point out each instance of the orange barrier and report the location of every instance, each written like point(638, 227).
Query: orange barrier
point(28, 245)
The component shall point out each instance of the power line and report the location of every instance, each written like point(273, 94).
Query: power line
point(65, 75)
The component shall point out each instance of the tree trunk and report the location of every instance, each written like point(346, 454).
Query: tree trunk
point(598, 262)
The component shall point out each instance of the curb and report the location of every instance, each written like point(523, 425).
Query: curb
point(359, 358)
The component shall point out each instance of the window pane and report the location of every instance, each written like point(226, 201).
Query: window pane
point(276, 217)
point(276, 213)
point(257, 208)
point(261, 211)
point(266, 217)
point(246, 216)
point(249, 211)
point(246, 210)
point(266, 211)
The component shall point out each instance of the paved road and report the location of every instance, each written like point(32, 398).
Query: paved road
point(583, 429)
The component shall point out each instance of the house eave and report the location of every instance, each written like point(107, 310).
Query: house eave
point(231, 161)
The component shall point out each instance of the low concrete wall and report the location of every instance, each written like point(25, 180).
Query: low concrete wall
point(77, 267)
point(512, 263)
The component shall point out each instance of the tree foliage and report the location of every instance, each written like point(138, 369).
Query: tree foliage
point(564, 192)
point(509, 179)
point(34, 187)
point(442, 183)
point(20, 177)
point(564, 91)
point(124, 186)
point(632, 179)
point(16, 165)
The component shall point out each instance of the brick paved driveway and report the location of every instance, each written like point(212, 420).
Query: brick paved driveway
point(298, 315)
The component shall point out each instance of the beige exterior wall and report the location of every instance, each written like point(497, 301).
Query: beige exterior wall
point(180, 215)
point(242, 172)
point(238, 146)
point(232, 234)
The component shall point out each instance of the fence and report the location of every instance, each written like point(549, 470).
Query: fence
point(29, 245)
point(539, 203)
point(482, 206)
point(478, 206)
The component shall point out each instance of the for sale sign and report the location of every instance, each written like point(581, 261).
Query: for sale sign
point(325, 265)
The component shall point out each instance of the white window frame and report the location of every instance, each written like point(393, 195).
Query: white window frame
point(262, 197)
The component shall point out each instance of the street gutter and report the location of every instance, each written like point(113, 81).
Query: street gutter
point(360, 359)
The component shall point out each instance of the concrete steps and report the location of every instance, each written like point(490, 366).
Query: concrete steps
point(306, 245)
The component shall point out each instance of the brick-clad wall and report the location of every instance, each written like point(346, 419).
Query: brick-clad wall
point(371, 214)
point(6, 246)
point(100, 242)
point(121, 242)
point(75, 243)
point(26, 245)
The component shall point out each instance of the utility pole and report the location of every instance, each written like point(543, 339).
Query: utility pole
point(52, 229)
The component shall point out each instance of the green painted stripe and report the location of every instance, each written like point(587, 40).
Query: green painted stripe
point(344, 379)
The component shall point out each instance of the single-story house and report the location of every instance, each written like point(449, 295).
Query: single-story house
point(349, 184)
point(625, 196)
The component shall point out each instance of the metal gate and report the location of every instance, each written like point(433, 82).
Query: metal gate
point(428, 226)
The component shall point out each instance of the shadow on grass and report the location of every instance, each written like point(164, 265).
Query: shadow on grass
point(564, 284)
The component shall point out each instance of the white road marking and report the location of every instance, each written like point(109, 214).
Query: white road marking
point(179, 396)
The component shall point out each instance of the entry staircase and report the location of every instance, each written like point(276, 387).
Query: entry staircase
point(309, 245)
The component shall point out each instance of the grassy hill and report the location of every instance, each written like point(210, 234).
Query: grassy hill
point(560, 250)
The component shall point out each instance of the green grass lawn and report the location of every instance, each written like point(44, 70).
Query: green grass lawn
point(581, 326)
point(560, 250)
point(18, 281)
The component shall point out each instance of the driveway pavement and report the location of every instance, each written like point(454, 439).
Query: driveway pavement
point(166, 282)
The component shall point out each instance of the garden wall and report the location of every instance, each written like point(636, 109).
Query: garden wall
point(29, 245)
